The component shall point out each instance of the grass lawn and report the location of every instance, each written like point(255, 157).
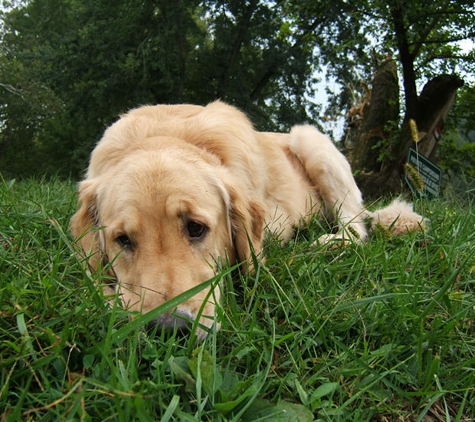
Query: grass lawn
point(382, 331)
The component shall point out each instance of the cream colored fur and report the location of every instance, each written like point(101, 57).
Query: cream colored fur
point(162, 172)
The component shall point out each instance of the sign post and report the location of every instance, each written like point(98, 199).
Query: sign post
point(428, 173)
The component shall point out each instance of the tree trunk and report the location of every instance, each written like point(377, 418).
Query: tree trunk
point(376, 118)
point(435, 102)
point(181, 48)
point(4, 142)
point(242, 28)
point(406, 57)
point(384, 176)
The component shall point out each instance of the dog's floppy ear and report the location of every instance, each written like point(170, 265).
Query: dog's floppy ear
point(85, 225)
point(247, 217)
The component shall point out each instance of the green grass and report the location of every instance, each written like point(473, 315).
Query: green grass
point(381, 331)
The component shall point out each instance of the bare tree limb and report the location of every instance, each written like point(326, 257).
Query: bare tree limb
point(12, 90)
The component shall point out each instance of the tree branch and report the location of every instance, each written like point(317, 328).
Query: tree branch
point(446, 40)
point(430, 27)
point(424, 63)
point(12, 90)
point(273, 68)
point(243, 26)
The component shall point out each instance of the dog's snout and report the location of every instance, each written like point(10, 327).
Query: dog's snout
point(179, 322)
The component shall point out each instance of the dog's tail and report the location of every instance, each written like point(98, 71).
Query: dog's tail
point(398, 218)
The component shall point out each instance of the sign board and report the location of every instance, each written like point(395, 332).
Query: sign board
point(429, 173)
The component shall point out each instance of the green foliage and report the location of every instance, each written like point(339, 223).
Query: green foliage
point(380, 331)
point(75, 66)
point(457, 158)
point(69, 68)
point(456, 151)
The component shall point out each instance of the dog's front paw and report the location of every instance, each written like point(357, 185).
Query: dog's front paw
point(334, 240)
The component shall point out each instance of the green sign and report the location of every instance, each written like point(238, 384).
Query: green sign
point(422, 175)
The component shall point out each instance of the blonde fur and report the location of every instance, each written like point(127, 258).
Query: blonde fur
point(398, 217)
point(160, 173)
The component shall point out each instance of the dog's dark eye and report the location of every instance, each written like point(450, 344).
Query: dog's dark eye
point(195, 230)
point(124, 241)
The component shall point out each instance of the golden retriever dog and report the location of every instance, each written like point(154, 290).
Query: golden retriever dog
point(172, 190)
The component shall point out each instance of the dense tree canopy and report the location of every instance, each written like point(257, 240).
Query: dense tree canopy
point(68, 68)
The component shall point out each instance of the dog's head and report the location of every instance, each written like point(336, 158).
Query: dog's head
point(162, 219)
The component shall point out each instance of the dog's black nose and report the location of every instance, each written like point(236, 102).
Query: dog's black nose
point(179, 322)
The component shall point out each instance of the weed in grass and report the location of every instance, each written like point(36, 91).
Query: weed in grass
point(380, 331)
